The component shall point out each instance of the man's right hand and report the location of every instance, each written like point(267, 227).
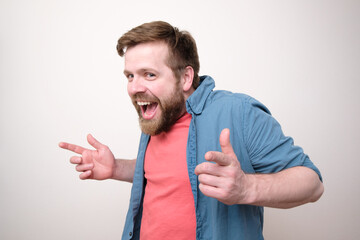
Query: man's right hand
point(96, 164)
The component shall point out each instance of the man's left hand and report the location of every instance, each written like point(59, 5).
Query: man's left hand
point(225, 179)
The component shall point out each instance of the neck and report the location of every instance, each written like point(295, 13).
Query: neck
point(188, 93)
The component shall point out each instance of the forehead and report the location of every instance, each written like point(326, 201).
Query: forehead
point(148, 54)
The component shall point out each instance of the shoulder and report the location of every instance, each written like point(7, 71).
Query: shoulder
point(235, 100)
point(223, 96)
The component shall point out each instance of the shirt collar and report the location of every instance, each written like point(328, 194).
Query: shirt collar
point(196, 102)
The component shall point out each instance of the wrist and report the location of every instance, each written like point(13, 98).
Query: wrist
point(115, 170)
point(252, 192)
point(123, 170)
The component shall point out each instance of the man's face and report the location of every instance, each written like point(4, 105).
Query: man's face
point(155, 92)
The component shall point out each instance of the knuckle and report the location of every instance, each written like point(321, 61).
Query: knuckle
point(202, 188)
point(224, 194)
point(232, 174)
point(86, 153)
point(204, 167)
point(202, 177)
point(227, 186)
point(78, 168)
point(207, 167)
point(230, 185)
point(201, 168)
point(74, 159)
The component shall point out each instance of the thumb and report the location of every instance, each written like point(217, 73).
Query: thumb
point(93, 142)
point(225, 144)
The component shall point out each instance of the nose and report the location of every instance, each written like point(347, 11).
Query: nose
point(136, 85)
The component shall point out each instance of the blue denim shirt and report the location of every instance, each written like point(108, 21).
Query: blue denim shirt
point(259, 145)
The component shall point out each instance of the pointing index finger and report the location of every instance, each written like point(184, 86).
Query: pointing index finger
point(72, 147)
point(218, 157)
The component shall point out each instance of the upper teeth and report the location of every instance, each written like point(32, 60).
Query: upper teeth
point(143, 103)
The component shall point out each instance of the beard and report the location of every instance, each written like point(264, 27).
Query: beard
point(172, 107)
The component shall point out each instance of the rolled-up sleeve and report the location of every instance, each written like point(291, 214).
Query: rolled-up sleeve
point(269, 149)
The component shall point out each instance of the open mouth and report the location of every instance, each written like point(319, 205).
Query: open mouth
point(148, 109)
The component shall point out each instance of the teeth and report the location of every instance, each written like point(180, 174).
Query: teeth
point(143, 103)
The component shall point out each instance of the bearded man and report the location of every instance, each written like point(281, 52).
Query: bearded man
point(208, 161)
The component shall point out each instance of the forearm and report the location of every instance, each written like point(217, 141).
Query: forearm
point(286, 189)
point(124, 170)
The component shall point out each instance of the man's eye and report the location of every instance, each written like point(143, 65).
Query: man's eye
point(150, 75)
point(130, 76)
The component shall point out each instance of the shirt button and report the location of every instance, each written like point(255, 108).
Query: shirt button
point(130, 234)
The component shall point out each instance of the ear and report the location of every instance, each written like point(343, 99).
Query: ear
point(187, 78)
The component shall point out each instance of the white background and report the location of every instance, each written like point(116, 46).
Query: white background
point(61, 78)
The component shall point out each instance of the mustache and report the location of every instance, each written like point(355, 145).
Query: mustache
point(145, 97)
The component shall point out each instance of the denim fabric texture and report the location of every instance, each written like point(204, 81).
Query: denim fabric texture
point(259, 145)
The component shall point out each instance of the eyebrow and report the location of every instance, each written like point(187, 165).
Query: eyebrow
point(142, 70)
point(126, 72)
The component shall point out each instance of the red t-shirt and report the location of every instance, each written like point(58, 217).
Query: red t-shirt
point(168, 208)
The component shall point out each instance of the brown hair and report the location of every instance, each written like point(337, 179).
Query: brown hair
point(182, 46)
